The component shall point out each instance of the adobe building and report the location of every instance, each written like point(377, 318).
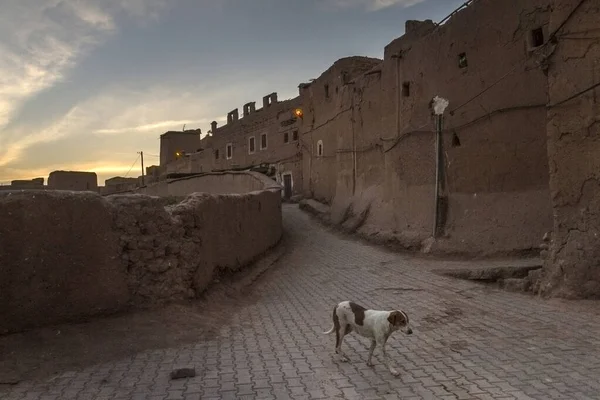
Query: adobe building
point(173, 144)
point(36, 183)
point(369, 142)
point(73, 180)
point(572, 56)
point(266, 139)
point(119, 184)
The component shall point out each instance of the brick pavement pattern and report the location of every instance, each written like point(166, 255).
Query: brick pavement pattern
point(469, 341)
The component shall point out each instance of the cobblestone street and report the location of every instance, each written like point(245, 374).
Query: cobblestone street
point(469, 341)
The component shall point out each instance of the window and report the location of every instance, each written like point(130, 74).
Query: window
point(406, 89)
point(326, 91)
point(229, 151)
point(263, 141)
point(216, 154)
point(286, 137)
point(536, 38)
point(251, 145)
point(462, 60)
point(320, 148)
point(295, 136)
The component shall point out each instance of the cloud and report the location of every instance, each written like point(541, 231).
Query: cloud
point(109, 128)
point(41, 40)
point(374, 5)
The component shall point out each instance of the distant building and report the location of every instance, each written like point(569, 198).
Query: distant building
point(73, 180)
point(119, 184)
point(174, 144)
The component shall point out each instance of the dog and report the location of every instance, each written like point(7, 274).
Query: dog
point(373, 324)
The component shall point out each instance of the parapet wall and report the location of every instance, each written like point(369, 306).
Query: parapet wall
point(213, 183)
point(66, 256)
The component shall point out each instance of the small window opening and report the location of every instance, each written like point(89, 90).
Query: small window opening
point(320, 148)
point(455, 140)
point(337, 90)
point(286, 137)
point(326, 91)
point(229, 151)
point(537, 37)
point(406, 89)
point(295, 136)
point(251, 144)
point(462, 60)
point(263, 141)
point(216, 154)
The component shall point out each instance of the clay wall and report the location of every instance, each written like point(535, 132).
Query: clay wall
point(59, 257)
point(229, 182)
point(496, 178)
point(67, 256)
point(73, 180)
point(572, 266)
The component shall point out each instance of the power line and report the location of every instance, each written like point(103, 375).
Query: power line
point(130, 168)
point(594, 86)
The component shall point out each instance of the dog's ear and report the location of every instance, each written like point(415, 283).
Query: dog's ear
point(396, 318)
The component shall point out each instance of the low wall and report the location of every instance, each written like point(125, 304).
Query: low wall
point(213, 183)
point(71, 255)
point(59, 258)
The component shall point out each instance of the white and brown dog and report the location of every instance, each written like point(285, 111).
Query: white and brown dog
point(373, 324)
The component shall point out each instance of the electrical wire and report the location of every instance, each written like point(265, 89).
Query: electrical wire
point(594, 86)
point(130, 168)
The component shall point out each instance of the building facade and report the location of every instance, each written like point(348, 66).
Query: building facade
point(572, 262)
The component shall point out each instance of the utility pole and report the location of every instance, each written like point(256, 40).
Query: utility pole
point(439, 106)
point(141, 153)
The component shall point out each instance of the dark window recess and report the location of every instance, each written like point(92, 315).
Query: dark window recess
point(295, 135)
point(327, 91)
point(252, 145)
point(537, 37)
point(216, 154)
point(286, 137)
point(229, 151)
point(462, 60)
point(406, 89)
point(337, 90)
point(263, 141)
point(455, 140)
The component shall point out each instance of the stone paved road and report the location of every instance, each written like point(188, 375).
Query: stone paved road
point(469, 342)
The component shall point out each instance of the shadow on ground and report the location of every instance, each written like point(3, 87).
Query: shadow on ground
point(40, 353)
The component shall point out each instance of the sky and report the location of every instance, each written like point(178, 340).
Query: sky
point(87, 84)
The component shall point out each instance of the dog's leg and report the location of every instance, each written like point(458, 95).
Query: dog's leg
point(339, 336)
point(393, 371)
point(371, 350)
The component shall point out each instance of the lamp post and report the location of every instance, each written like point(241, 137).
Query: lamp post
point(439, 105)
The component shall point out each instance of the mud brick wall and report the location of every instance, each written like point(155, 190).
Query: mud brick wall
point(58, 259)
point(67, 256)
point(572, 264)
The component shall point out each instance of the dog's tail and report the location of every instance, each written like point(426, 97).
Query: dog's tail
point(329, 332)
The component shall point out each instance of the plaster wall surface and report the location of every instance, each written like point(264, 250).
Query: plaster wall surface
point(572, 264)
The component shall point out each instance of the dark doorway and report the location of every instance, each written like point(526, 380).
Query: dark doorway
point(287, 186)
